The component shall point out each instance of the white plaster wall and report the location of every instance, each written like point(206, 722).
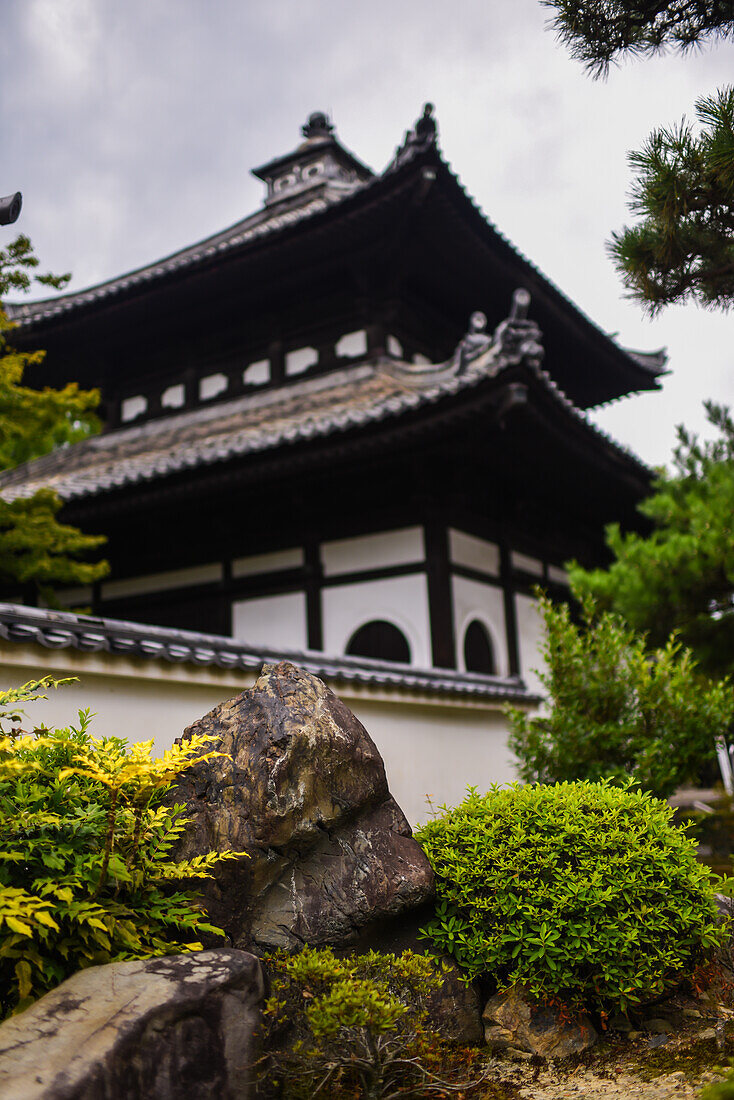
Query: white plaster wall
point(555, 573)
point(162, 582)
point(271, 621)
point(128, 698)
point(352, 343)
point(400, 600)
point(526, 564)
point(474, 600)
point(429, 748)
point(436, 751)
point(376, 551)
point(296, 362)
point(257, 373)
point(212, 386)
point(530, 634)
point(267, 563)
point(133, 407)
point(174, 397)
point(474, 553)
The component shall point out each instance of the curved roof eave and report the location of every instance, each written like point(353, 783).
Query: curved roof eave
point(357, 399)
point(645, 367)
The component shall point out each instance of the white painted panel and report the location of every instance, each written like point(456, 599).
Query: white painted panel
point(174, 396)
point(212, 386)
point(401, 547)
point(267, 563)
point(132, 407)
point(352, 343)
point(526, 564)
point(530, 636)
point(257, 373)
point(161, 582)
point(300, 360)
point(399, 600)
point(394, 347)
point(271, 621)
point(555, 573)
point(485, 602)
point(474, 553)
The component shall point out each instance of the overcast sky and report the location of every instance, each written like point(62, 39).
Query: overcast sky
point(131, 128)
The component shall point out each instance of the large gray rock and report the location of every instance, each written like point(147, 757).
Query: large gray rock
point(180, 1026)
point(303, 791)
point(512, 1020)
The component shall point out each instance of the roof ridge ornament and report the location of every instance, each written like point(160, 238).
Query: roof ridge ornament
point(317, 125)
point(517, 337)
point(423, 135)
point(514, 338)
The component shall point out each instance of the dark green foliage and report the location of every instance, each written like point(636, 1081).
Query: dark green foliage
point(585, 893)
point(598, 31)
point(34, 546)
point(351, 1027)
point(616, 710)
point(681, 576)
point(683, 248)
point(86, 875)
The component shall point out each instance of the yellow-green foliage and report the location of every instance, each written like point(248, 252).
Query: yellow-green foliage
point(86, 875)
point(351, 1027)
point(584, 892)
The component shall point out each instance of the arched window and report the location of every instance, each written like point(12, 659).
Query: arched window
point(381, 640)
point(478, 651)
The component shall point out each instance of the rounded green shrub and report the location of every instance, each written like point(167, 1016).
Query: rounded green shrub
point(583, 892)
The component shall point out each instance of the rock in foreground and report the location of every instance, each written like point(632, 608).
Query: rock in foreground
point(303, 791)
point(165, 1028)
point(511, 1020)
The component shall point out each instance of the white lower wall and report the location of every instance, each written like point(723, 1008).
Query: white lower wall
point(429, 747)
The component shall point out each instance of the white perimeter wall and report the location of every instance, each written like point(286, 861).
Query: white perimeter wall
point(429, 748)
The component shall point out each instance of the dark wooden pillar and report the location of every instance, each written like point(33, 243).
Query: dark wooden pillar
point(276, 355)
point(314, 620)
point(508, 591)
point(440, 603)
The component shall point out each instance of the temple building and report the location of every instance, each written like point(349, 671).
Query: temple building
point(351, 428)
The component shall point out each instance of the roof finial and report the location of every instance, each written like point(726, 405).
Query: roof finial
point(426, 128)
point(318, 125)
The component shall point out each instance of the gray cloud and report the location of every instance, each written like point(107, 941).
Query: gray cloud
point(131, 130)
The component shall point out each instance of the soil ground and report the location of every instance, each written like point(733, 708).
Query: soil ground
point(683, 1044)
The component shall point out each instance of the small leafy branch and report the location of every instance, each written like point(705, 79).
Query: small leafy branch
point(355, 1027)
point(86, 874)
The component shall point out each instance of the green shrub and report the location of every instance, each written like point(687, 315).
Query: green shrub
point(85, 870)
point(351, 1027)
point(617, 710)
point(584, 892)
